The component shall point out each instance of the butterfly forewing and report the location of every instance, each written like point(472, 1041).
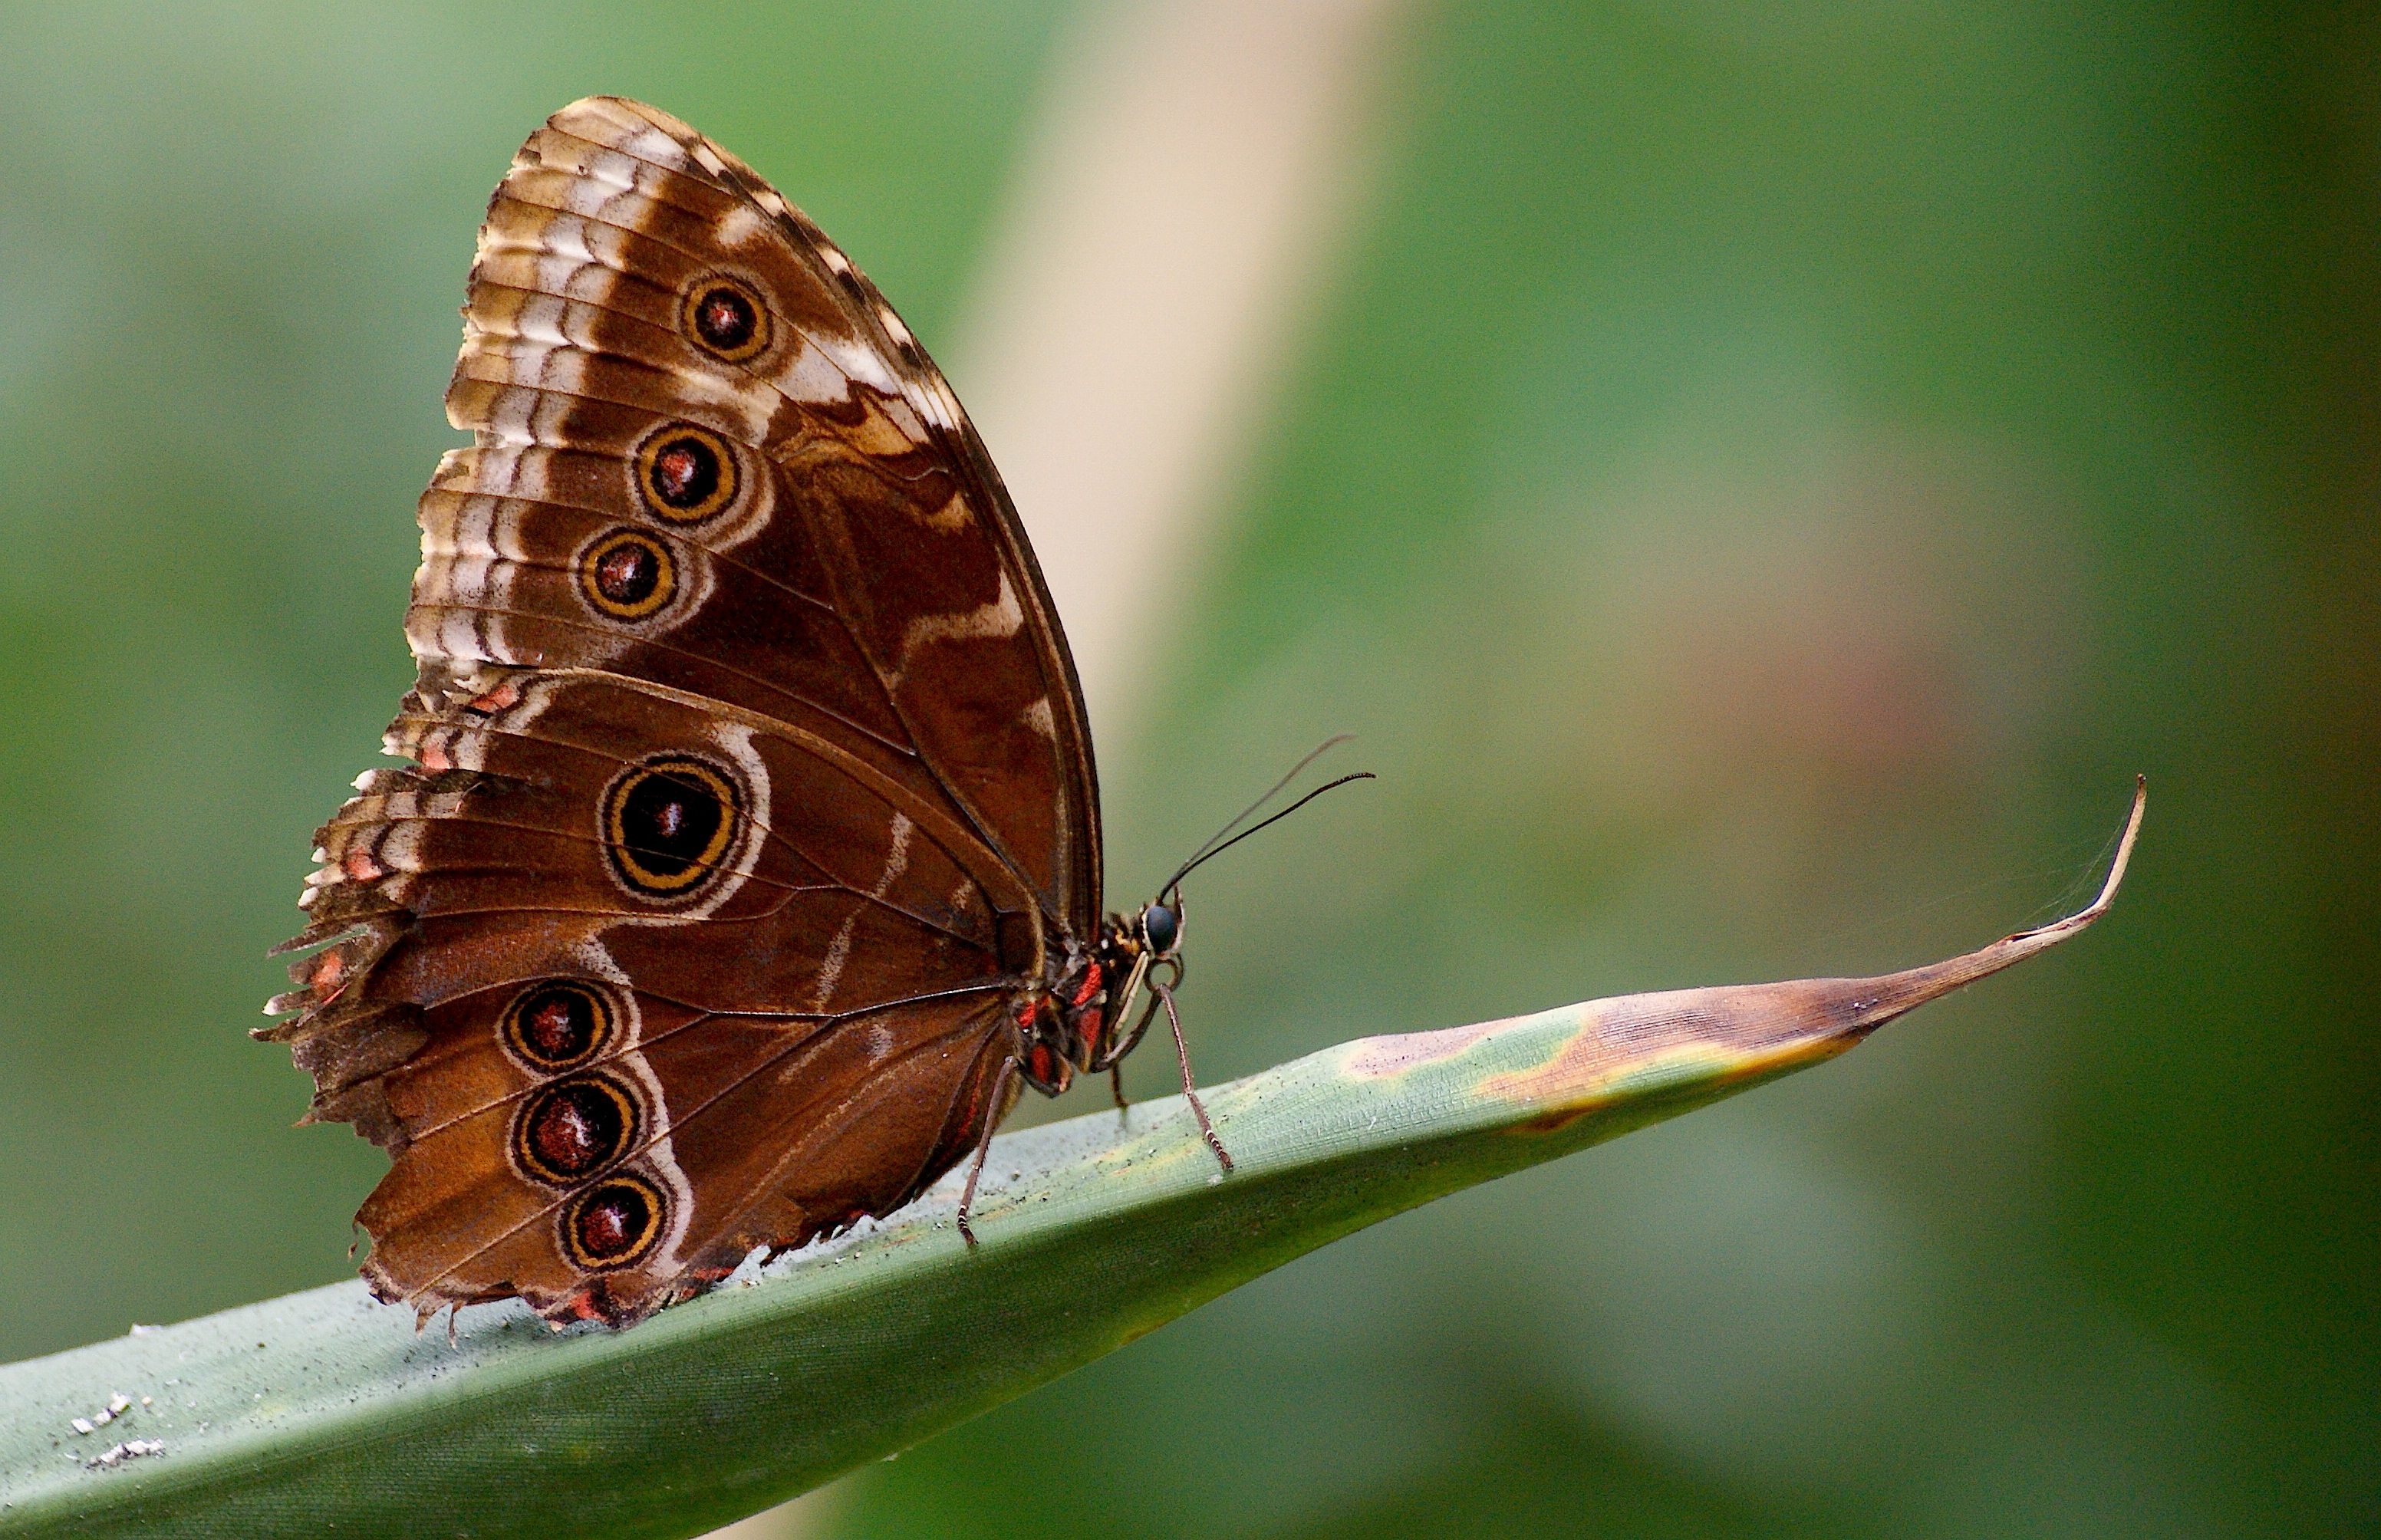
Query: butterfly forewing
point(750, 791)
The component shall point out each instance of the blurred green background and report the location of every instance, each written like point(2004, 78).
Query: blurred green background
point(1759, 479)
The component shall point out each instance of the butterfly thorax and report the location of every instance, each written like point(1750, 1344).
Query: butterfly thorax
point(1073, 1026)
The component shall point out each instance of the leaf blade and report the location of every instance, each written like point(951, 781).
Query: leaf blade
point(323, 1411)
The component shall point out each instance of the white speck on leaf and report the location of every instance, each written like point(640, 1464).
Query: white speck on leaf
point(133, 1448)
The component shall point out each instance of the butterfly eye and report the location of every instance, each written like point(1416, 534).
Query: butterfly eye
point(726, 318)
point(1162, 926)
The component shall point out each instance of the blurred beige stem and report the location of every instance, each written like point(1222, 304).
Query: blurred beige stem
point(1193, 169)
point(1193, 166)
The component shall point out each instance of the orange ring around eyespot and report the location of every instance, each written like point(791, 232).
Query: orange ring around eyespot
point(645, 1229)
point(584, 1093)
point(686, 475)
point(699, 317)
point(593, 1001)
point(657, 589)
point(642, 876)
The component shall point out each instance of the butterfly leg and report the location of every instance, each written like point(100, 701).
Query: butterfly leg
point(983, 1148)
point(1115, 1084)
point(1190, 1093)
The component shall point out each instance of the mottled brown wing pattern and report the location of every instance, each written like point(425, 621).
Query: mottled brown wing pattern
point(748, 791)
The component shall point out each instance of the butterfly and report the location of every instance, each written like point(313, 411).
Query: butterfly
point(747, 863)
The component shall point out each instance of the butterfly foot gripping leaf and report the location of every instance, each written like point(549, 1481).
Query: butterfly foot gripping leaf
point(748, 859)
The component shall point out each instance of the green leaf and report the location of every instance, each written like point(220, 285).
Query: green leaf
point(324, 1413)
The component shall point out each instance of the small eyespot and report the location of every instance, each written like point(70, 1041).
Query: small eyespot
point(627, 574)
point(613, 1223)
point(668, 825)
point(570, 1131)
point(558, 1024)
point(727, 318)
point(686, 475)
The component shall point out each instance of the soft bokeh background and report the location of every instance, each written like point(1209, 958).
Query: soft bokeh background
point(1759, 480)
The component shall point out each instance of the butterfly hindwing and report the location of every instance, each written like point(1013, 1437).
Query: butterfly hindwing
point(714, 1134)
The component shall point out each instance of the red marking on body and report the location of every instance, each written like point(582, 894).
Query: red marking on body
point(1042, 1063)
point(1091, 986)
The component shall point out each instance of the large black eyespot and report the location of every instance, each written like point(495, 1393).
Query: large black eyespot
point(572, 1129)
point(554, 1026)
point(627, 574)
point(613, 1223)
point(686, 473)
point(667, 826)
point(726, 317)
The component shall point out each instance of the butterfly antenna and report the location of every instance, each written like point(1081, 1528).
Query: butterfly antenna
point(1203, 851)
point(1224, 838)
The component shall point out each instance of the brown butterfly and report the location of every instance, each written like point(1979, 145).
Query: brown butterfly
point(749, 861)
